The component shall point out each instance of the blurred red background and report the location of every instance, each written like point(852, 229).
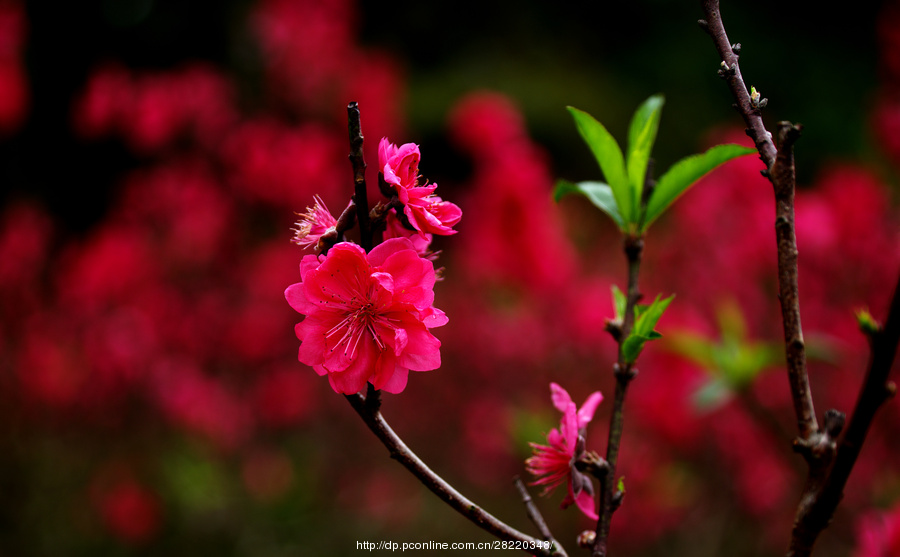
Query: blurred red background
point(151, 402)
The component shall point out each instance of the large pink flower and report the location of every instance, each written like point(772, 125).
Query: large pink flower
point(426, 212)
point(367, 315)
point(555, 463)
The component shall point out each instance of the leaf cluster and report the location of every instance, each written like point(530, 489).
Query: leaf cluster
point(629, 196)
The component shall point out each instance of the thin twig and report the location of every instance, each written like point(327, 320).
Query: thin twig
point(624, 373)
point(534, 514)
point(437, 485)
point(360, 197)
point(731, 71)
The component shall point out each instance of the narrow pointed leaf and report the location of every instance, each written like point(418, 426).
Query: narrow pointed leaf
point(684, 173)
point(598, 193)
point(619, 302)
point(633, 346)
point(641, 137)
point(609, 157)
point(646, 322)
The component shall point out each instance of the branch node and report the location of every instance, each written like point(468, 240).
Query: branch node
point(617, 499)
point(891, 389)
point(788, 133)
point(703, 24)
point(593, 464)
point(624, 374)
point(736, 48)
point(833, 422)
point(614, 328)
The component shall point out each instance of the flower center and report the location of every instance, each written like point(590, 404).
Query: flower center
point(358, 322)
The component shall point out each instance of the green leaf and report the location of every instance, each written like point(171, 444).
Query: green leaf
point(645, 323)
point(598, 193)
point(641, 136)
point(643, 328)
point(619, 302)
point(684, 173)
point(633, 346)
point(620, 486)
point(609, 157)
point(867, 323)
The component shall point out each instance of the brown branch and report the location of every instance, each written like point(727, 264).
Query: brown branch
point(782, 176)
point(371, 415)
point(780, 171)
point(830, 456)
point(731, 72)
point(624, 373)
point(534, 514)
point(360, 196)
point(817, 509)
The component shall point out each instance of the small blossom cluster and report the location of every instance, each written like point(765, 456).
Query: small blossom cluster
point(368, 315)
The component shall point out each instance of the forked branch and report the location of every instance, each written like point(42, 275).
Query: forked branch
point(830, 451)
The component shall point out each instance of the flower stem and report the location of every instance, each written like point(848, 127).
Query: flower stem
point(624, 373)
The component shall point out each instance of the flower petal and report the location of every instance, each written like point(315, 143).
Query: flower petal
point(559, 396)
point(586, 412)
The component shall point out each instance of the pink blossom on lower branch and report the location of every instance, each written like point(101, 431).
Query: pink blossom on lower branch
point(555, 463)
point(367, 315)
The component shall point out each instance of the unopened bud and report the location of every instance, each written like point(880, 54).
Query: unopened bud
point(586, 539)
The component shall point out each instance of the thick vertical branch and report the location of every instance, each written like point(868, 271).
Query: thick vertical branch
point(782, 175)
point(780, 171)
point(830, 451)
point(360, 197)
point(624, 373)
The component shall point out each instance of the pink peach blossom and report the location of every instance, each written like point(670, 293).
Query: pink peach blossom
point(367, 315)
point(313, 224)
point(555, 463)
point(395, 229)
point(399, 165)
point(426, 212)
